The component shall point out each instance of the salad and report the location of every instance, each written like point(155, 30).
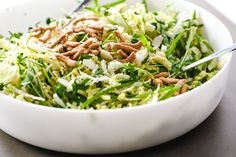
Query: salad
point(106, 56)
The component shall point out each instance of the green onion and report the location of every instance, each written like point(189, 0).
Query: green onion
point(194, 16)
point(109, 5)
point(26, 64)
point(104, 91)
point(129, 29)
point(95, 2)
point(146, 43)
point(1, 86)
point(174, 43)
point(168, 92)
point(144, 2)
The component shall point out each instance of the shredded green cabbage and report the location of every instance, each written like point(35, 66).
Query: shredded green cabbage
point(29, 70)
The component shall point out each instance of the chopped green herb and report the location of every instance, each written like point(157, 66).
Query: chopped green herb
point(89, 70)
point(144, 2)
point(146, 43)
point(174, 43)
point(112, 4)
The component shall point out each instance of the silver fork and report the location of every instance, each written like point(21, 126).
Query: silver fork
point(80, 4)
point(212, 56)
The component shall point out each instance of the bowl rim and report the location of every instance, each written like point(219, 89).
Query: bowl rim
point(22, 103)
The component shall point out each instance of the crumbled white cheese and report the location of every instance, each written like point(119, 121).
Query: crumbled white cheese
point(67, 84)
point(150, 27)
point(157, 42)
point(163, 48)
point(89, 63)
point(120, 77)
point(179, 25)
point(113, 66)
point(58, 100)
point(106, 97)
point(104, 67)
point(101, 79)
point(63, 82)
point(106, 55)
point(140, 56)
point(8, 73)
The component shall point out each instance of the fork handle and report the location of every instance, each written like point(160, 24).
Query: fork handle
point(212, 56)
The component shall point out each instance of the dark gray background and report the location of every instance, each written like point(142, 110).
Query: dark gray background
point(215, 137)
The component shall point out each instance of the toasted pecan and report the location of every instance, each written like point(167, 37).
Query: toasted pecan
point(95, 52)
point(97, 27)
point(71, 44)
point(67, 60)
point(183, 85)
point(123, 47)
point(157, 82)
point(82, 47)
point(86, 30)
point(169, 80)
point(108, 47)
point(162, 74)
point(181, 82)
point(36, 34)
point(93, 46)
point(68, 29)
point(122, 53)
point(137, 45)
point(43, 28)
point(46, 36)
point(130, 58)
point(120, 36)
point(79, 19)
point(60, 39)
point(184, 89)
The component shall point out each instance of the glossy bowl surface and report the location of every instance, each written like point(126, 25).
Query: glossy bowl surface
point(117, 130)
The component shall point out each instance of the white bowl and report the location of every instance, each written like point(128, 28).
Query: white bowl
point(116, 130)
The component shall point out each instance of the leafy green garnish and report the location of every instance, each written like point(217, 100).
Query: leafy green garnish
point(14, 36)
point(49, 20)
point(135, 38)
point(107, 82)
point(144, 2)
point(174, 43)
point(102, 92)
point(112, 4)
point(130, 70)
point(168, 91)
point(1, 86)
point(146, 43)
point(81, 37)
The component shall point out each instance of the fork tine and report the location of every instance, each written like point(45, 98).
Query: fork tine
point(81, 3)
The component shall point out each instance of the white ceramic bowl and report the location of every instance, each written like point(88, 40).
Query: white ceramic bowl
point(118, 130)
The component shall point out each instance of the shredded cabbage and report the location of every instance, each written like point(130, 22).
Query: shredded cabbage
point(113, 74)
